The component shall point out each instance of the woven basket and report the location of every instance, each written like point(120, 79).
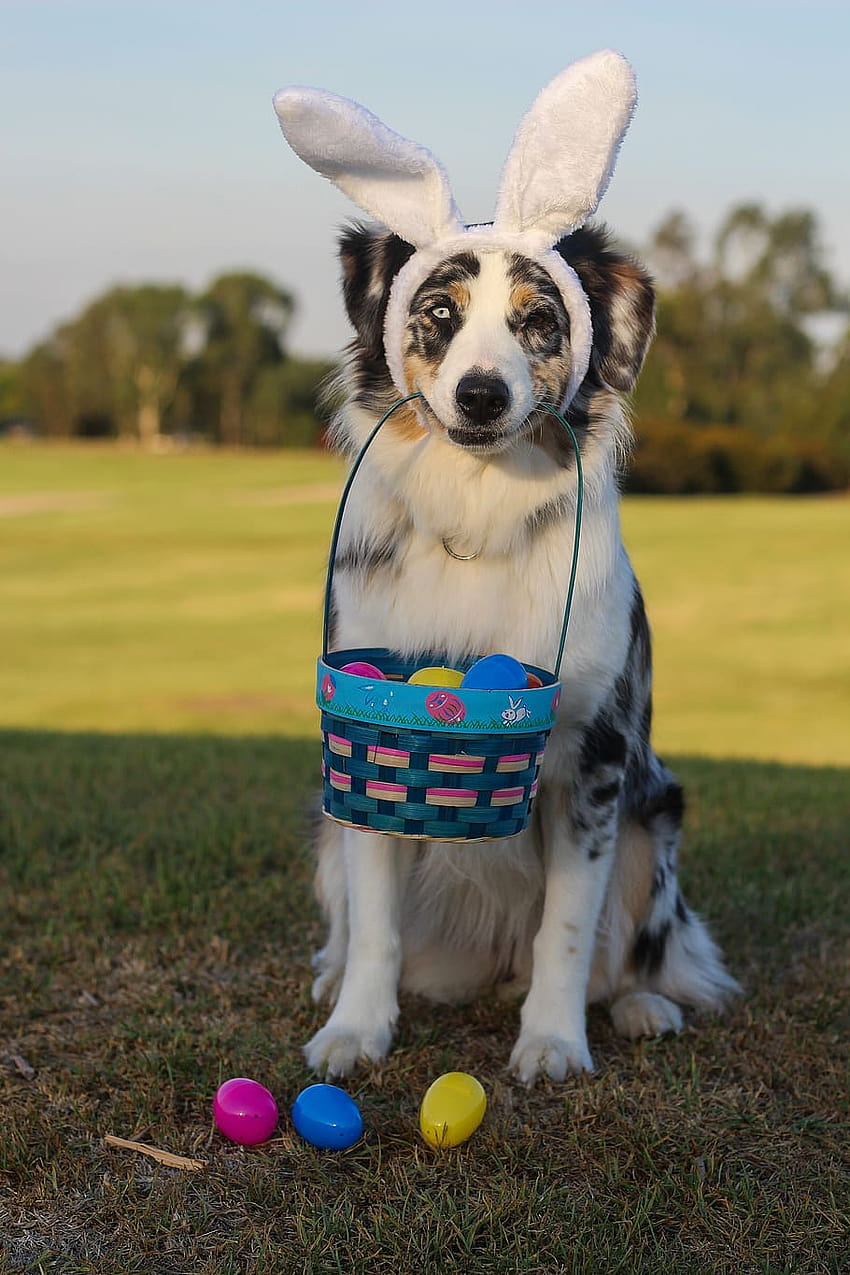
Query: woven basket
point(430, 762)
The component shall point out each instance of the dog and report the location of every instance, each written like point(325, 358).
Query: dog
point(456, 538)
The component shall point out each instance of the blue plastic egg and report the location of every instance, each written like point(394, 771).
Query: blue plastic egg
point(327, 1117)
point(496, 673)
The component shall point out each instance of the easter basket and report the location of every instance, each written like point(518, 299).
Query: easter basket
point(431, 762)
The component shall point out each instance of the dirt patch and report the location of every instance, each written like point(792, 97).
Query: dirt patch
point(51, 502)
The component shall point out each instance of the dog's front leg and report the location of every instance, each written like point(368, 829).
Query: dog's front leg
point(578, 846)
point(362, 1022)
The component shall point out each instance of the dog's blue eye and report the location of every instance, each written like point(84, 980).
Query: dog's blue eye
point(441, 313)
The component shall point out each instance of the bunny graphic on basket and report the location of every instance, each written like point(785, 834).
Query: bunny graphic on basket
point(494, 358)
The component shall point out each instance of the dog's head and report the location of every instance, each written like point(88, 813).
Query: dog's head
point(487, 336)
point(484, 321)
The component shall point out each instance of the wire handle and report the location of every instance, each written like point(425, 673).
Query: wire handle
point(343, 500)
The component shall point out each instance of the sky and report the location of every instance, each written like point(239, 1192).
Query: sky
point(138, 141)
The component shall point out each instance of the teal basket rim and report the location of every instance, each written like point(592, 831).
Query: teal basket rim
point(396, 705)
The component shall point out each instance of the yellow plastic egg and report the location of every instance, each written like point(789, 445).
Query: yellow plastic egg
point(452, 1109)
point(436, 677)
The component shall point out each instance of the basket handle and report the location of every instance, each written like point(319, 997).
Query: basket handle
point(352, 475)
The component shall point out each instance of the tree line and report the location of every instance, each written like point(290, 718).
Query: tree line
point(155, 361)
point(745, 386)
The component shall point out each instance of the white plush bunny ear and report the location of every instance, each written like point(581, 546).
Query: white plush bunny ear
point(396, 181)
point(565, 148)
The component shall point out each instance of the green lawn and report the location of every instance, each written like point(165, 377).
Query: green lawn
point(158, 758)
point(155, 941)
point(182, 593)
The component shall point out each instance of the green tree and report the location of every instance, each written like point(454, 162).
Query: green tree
point(43, 392)
point(731, 346)
point(246, 318)
point(147, 332)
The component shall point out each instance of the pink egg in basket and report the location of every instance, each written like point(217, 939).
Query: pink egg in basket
point(362, 668)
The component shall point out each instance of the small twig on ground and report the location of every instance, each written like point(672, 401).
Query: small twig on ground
point(161, 1157)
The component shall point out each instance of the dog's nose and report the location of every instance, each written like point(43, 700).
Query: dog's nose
point(482, 398)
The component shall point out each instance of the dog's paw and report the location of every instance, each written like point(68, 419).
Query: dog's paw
point(536, 1056)
point(645, 1014)
point(337, 1049)
point(327, 983)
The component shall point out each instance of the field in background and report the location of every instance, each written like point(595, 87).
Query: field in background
point(182, 593)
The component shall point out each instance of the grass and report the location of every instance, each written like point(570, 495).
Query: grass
point(158, 626)
point(181, 593)
point(156, 941)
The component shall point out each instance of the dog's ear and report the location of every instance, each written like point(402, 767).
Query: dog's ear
point(622, 306)
point(371, 258)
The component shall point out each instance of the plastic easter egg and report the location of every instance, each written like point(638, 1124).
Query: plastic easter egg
point(436, 677)
point(452, 1109)
point(244, 1111)
point(327, 1117)
point(532, 681)
point(361, 668)
point(496, 673)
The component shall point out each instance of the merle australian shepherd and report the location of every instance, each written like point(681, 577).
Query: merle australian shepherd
point(456, 538)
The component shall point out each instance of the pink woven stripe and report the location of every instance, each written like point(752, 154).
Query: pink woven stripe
point(388, 757)
point(518, 761)
point(532, 792)
point(338, 745)
point(385, 792)
point(340, 781)
point(456, 763)
point(538, 759)
point(450, 796)
point(506, 796)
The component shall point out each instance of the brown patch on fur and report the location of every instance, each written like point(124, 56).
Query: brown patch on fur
point(405, 425)
point(627, 275)
point(418, 371)
point(633, 870)
point(348, 262)
point(549, 376)
point(459, 293)
point(523, 296)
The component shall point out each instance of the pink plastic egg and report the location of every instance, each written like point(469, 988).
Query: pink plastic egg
point(361, 668)
point(245, 1111)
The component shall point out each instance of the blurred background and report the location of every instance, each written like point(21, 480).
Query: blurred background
point(170, 307)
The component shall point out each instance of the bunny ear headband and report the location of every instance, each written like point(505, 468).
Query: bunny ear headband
point(557, 170)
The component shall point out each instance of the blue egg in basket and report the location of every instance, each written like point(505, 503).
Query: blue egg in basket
point(496, 673)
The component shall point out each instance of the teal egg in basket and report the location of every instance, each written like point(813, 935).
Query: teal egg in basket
point(431, 762)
